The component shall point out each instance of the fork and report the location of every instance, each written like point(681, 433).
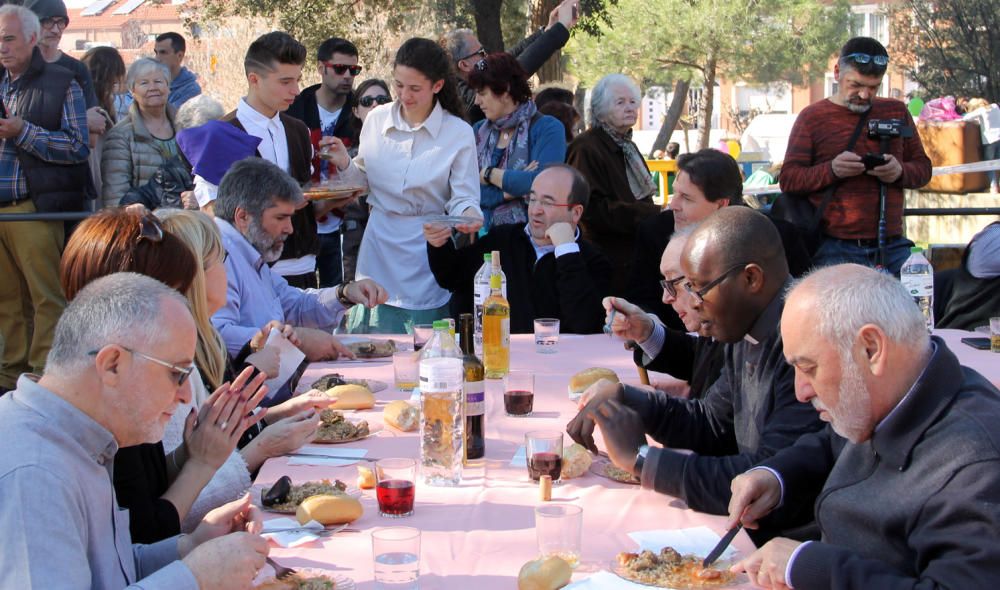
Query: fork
point(611, 320)
point(280, 572)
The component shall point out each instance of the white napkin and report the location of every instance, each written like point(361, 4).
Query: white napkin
point(289, 359)
point(520, 457)
point(327, 450)
point(698, 540)
point(290, 538)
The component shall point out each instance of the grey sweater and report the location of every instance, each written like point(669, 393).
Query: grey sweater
point(915, 506)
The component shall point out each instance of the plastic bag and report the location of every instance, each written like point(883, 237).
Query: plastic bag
point(940, 109)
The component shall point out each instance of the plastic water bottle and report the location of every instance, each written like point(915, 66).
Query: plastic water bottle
point(442, 422)
point(917, 275)
point(481, 290)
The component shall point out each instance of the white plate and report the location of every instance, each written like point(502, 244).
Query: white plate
point(265, 579)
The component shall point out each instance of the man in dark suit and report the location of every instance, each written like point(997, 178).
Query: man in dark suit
point(907, 492)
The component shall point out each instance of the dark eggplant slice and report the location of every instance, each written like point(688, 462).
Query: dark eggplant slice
point(330, 380)
point(278, 492)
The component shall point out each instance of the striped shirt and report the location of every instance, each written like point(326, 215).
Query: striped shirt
point(67, 145)
point(821, 132)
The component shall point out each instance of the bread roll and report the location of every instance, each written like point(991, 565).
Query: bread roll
point(401, 415)
point(329, 509)
point(366, 478)
point(587, 377)
point(547, 573)
point(576, 461)
point(351, 397)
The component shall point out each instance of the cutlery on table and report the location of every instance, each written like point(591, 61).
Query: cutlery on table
point(280, 572)
point(721, 547)
point(341, 457)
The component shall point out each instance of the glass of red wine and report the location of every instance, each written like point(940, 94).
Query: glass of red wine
point(395, 481)
point(519, 393)
point(544, 453)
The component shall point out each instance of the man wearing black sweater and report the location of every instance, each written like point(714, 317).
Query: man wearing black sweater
point(551, 271)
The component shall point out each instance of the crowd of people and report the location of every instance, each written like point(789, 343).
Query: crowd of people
point(820, 414)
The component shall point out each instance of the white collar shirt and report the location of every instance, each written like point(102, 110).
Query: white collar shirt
point(273, 142)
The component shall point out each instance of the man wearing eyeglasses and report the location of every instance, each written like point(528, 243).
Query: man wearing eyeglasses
point(735, 274)
point(466, 51)
point(551, 271)
point(325, 108)
point(818, 161)
point(116, 373)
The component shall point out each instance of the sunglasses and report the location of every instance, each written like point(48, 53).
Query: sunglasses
point(863, 58)
point(481, 52)
point(670, 286)
point(339, 69)
point(180, 373)
point(368, 101)
point(150, 229)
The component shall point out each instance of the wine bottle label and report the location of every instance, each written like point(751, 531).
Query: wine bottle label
point(440, 375)
point(505, 332)
point(475, 398)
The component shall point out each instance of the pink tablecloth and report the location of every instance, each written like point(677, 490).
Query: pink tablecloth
point(480, 534)
point(983, 361)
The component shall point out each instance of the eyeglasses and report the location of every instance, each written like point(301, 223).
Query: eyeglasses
point(863, 58)
point(481, 52)
point(699, 295)
point(339, 69)
point(180, 373)
point(543, 202)
point(367, 101)
point(670, 286)
point(55, 21)
point(150, 229)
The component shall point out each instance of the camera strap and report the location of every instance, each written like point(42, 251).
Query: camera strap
point(818, 219)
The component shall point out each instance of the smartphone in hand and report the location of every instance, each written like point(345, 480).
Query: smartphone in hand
point(872, 160)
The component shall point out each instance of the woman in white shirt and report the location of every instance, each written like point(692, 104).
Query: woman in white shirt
point(419, 156)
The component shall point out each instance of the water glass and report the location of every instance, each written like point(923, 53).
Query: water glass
point(995, 334)
point(395, 484)
point(559, 528)
point(421, 335)
point(543, 451)
point(546, 335)
point(396, 551)
point(519, 393)
point(405, 369)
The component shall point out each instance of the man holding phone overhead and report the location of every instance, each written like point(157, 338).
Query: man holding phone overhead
point(821, 157)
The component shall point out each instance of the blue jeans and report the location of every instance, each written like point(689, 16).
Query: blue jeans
point(991, 151)
point(329, 261)
point(835, 251)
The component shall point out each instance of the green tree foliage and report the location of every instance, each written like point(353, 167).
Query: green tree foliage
point(949, 46)
point(757, 41)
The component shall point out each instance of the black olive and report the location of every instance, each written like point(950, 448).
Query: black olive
point(278, 492)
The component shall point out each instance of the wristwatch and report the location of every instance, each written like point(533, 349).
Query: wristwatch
point(640, 460)
point(341, 297)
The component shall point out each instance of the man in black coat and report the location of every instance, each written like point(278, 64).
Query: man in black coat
point(551, 271)
point(735, 272)
point(908, 494)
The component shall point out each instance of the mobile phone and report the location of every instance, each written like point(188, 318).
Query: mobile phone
point(872, 159)
point(977, 343)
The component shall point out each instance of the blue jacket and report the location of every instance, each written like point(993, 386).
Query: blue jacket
point(183, 88)
point(547, 140)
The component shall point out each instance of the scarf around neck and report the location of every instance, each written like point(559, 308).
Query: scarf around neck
point(640, 182)
point(517, 154)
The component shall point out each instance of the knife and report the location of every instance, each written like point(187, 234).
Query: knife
point(721, 547)
point(322, 456)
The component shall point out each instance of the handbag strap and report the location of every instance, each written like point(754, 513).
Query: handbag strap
point(818, 216)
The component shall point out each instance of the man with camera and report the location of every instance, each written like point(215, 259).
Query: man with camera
point(851, 156)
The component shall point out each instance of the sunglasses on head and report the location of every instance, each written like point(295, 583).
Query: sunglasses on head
point(863, 58)
point(367, 101)
point(339, 69)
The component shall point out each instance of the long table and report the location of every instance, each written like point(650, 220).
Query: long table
point(479, 535)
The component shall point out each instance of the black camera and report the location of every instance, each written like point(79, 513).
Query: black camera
point(888, 128)
point(872, 160)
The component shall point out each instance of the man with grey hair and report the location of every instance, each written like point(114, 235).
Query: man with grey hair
point(43, 168)
point(119, 366)
point(825, 165)
point(254, 208)
point(466, 51)
point(907, 492)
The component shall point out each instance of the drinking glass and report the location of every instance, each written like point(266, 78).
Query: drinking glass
point(396, 551)
point(395, 484)
point(546, 335)
point(544, 451)
point(405, 369)
point(559, 528)
point(519, 393)
point(421, 334)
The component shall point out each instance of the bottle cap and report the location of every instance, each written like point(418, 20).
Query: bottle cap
point(441, 324)
point(915, 249)
point(487, 257)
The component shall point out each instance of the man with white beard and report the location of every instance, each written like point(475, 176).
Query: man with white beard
point(908, 494)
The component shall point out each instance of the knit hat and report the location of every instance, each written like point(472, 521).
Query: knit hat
point(215, 146)
point(47, 8)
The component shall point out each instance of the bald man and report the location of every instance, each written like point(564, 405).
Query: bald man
point(907, 485)
point(735, 272)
